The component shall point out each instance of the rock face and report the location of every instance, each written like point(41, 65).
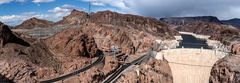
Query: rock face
point(87, 35)
point(74, 42)
point(34, 23)
point(20, 57)
point(129, 33)
point(16, 71)
point(226, 70)
point(76, 17)
point(148, 25)
point(188, 20)
point(226, 35)
point(6, 36)
point(234, 22)
point(154, 71)
point(236, 49)
point(205, 26)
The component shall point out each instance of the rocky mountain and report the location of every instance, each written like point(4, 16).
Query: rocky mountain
point(130, 33)
point(206, 25)
point(26, 59)
point(234, 22)
point(21, 56)
point(226, 70)
point(188, 20)
point(146, 24)
point(75, 17)
point(34, 23)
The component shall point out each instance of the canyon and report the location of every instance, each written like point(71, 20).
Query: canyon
point(39, 50)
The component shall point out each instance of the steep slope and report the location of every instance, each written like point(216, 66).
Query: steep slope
point(76, 17)
point(187, 20)
point(234, 22)
point(34, 23)
point(149, 25)
point(210, 26)
point(227, 70)
point(20, 57)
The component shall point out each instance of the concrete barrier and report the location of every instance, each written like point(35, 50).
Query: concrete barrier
point(190, 65)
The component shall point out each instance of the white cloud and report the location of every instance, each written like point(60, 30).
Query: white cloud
point(8, 1)
point(115, 3)
point(21, 0)
point(5, 1)
point(17, 19)
point(224, 9)
point(54, 15)
point(64, 10)
point(97, 4)
point(41, 1)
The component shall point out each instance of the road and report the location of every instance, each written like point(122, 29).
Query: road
point(99, 60)
point(113, 77)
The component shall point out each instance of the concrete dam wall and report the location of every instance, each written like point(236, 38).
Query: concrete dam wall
point(191, 65)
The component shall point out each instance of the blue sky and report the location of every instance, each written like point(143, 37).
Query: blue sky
point(13, 12)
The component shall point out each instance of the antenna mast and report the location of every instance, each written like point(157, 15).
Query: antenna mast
point(89, 8)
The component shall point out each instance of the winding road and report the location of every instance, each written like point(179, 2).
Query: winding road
point(62, 77)
point(113, 77)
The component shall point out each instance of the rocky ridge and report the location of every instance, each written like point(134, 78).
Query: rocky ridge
point(34, 23)
point(189, 20)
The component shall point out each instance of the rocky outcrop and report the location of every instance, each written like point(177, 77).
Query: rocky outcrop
point(129, 33)
point(206, 25)
point(226, 70)
point(76, 17)
point(149, 25)
point(74, 42)
point(234, 22)
point(155, 71)
point(17, 71)
point(20, 57)
point(236, 49)
point(146, 24)
point(34, 23)
point(7, 36)
point(189, 20)
point(226, 35)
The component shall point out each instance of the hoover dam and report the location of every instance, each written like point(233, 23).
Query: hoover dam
point(192, 64)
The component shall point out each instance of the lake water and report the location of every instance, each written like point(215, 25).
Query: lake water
point(190, 41)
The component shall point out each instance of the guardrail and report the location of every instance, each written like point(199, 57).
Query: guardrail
point(63, 77)
point(113, 77)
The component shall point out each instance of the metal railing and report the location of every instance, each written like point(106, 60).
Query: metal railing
point(77, 72)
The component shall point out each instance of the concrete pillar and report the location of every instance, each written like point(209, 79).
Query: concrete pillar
point(215, 52)
point(201, 49)
point(137, 69)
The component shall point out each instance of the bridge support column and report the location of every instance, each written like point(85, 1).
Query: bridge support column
point(215, 52)
point(137, 69)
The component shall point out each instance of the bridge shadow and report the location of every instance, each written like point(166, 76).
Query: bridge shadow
point(3, 79)
point(19, 41)
point(7, 36)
